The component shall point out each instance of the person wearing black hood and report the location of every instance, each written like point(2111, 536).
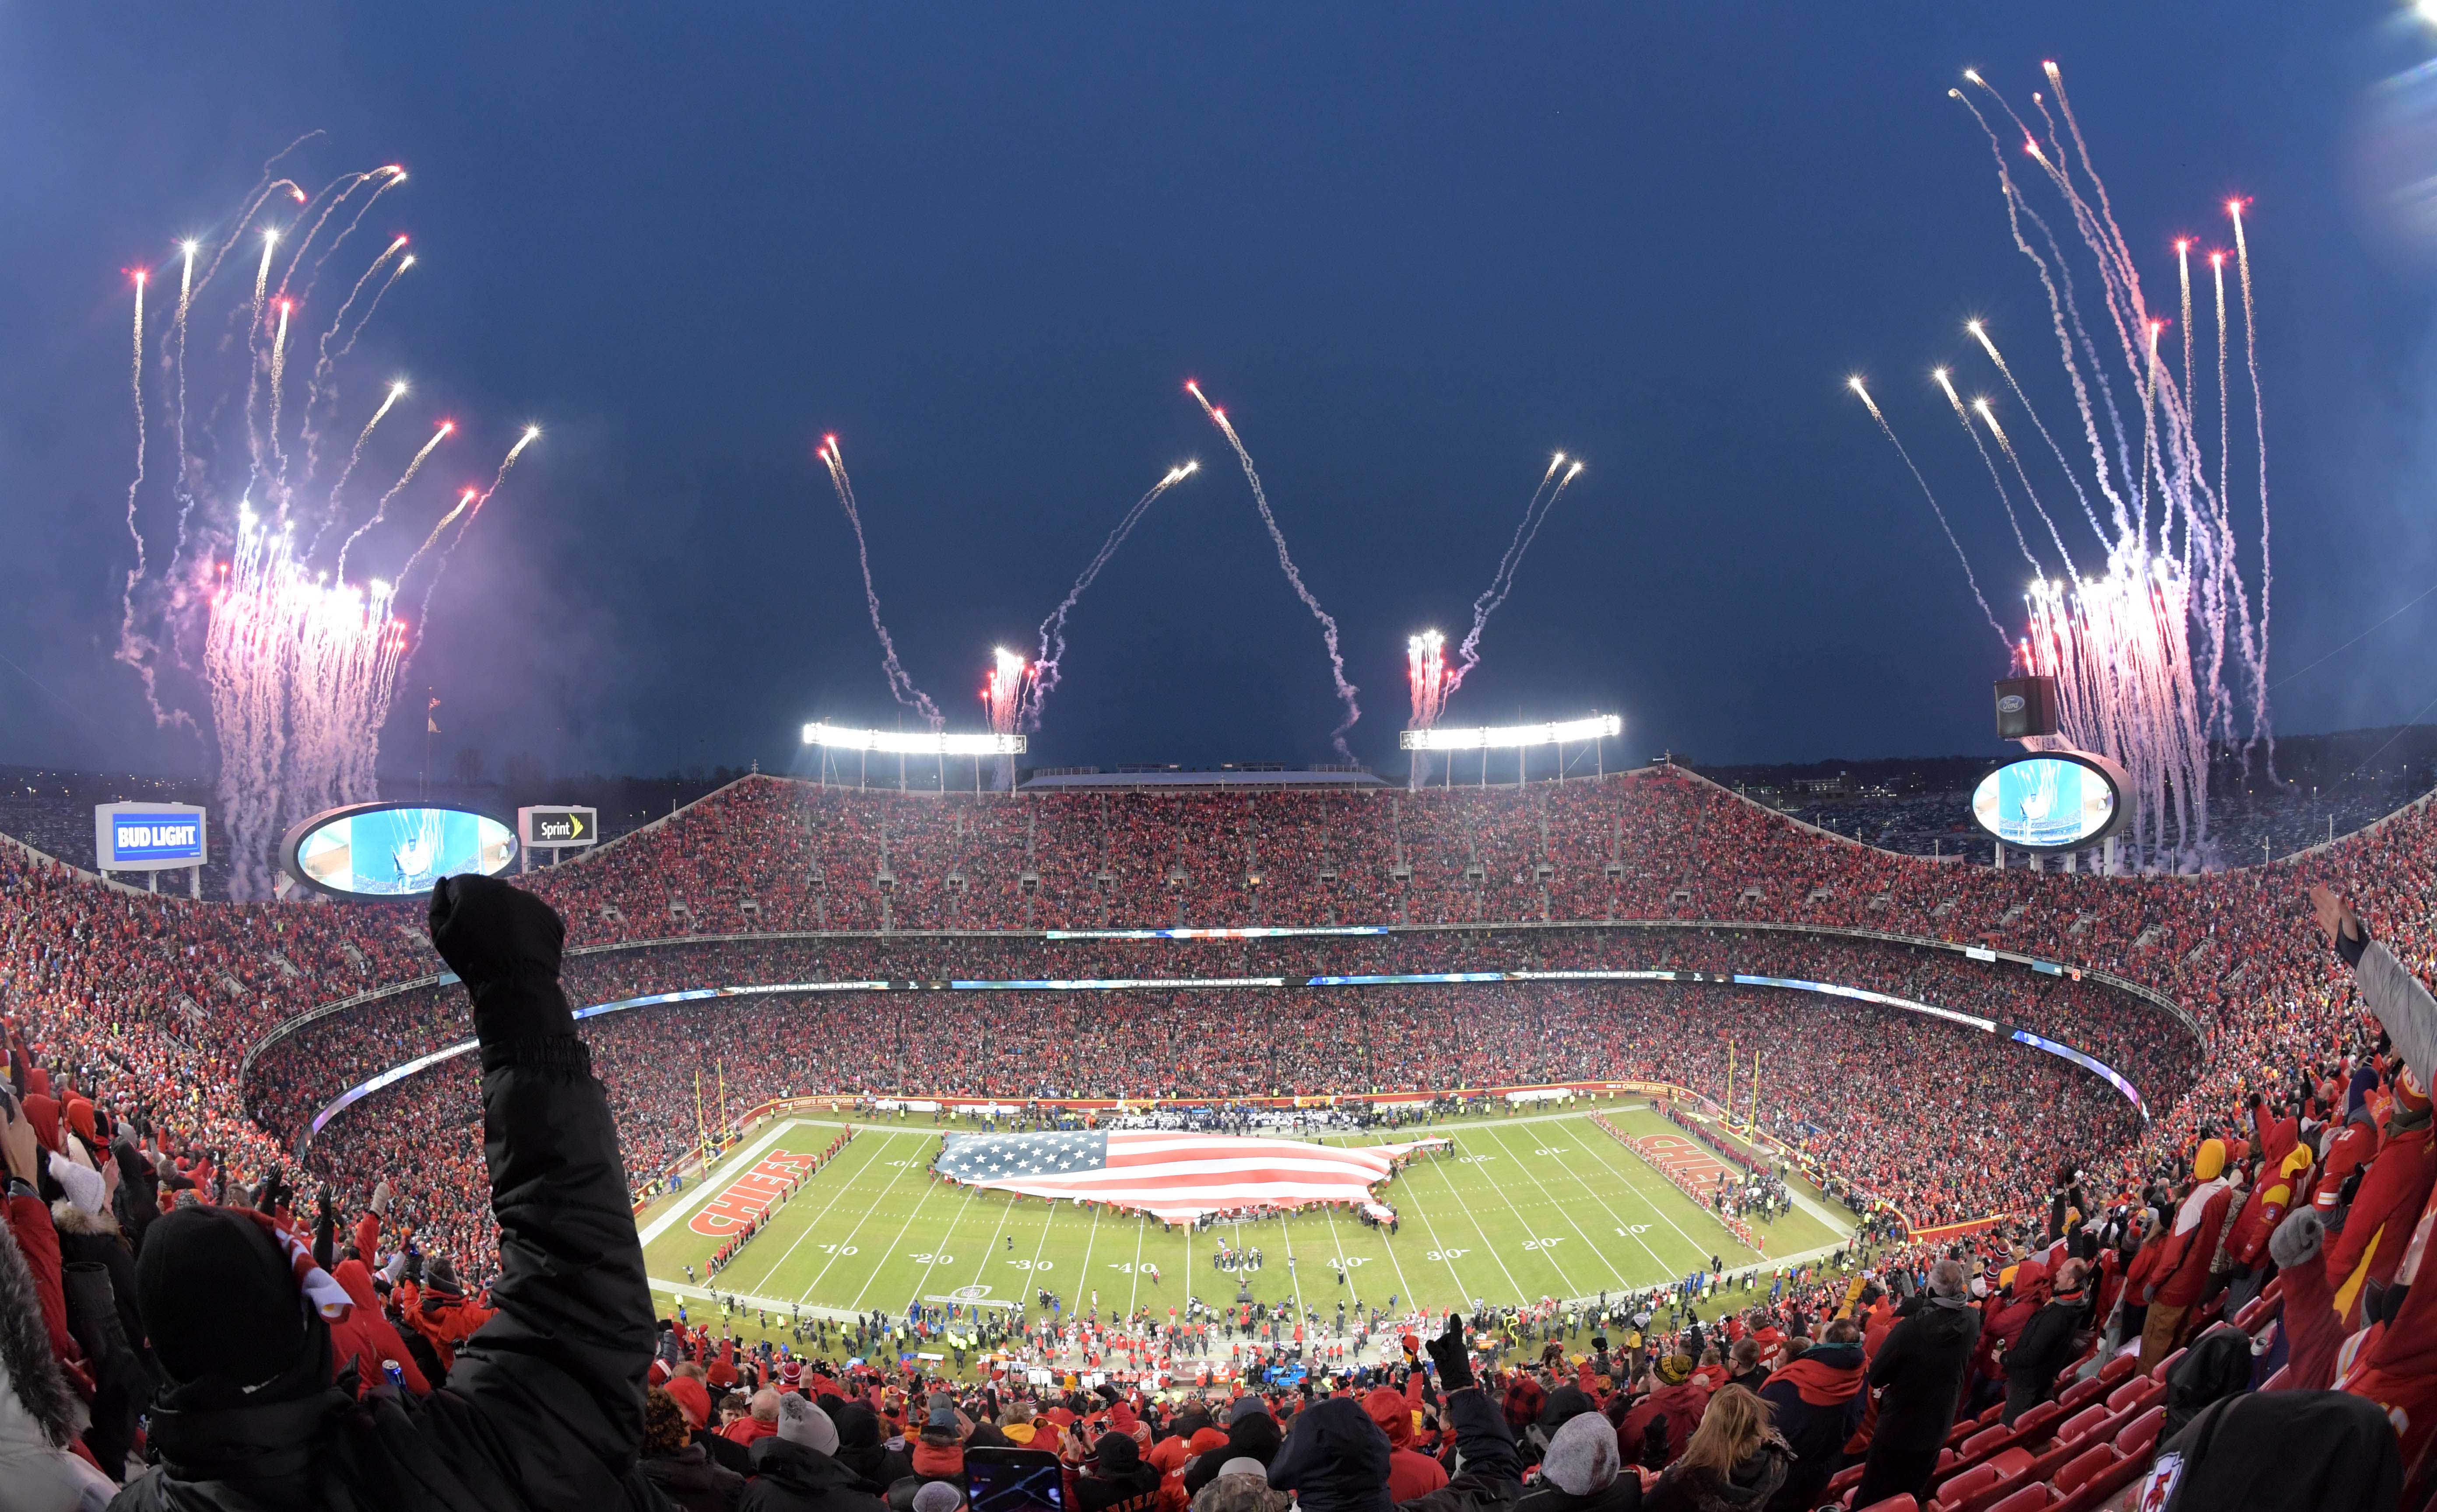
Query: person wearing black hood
point(1489, 1469)
point(1252, 1434)
point(859, 1446)
point(545, 1406)
point(1117, 1479)
point(1334, 1459)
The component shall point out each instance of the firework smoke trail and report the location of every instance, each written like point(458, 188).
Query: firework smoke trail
point(1346, 691)
point(2259, 419)
point(1053, 629)
point(900, 687)
point(1963, 417)
point(1988, 417)
point(1502, 582)
point(423, 616)
point(381, 509)
point(253, 365)
point(1980, 333)
point(133, 648)
point(330, 515)
point(1426, 674)
point(1888, 431)
point(1005, 693)
point(317, 389)
point(369, 310)
point(278, 379)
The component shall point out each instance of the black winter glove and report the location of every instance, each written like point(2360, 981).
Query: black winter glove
point(504, 944)
point(1448, 1353)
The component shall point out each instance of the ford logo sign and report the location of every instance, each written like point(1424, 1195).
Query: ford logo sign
point(2011, 704)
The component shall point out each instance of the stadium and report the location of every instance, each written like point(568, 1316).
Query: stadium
point(1469, 1115)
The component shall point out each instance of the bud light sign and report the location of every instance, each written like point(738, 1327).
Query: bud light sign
point(148, 836)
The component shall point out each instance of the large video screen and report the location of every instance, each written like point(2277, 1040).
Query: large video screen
point(386, 851)
point(2046, 802)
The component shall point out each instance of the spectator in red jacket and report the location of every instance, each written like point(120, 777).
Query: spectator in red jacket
point(1408, 1474)
point(2181, 1270)
point(2365, 1254)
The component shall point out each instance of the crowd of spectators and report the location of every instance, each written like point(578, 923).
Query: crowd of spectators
point(139, 1010)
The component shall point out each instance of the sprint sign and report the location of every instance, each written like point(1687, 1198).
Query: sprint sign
point(751, 1195)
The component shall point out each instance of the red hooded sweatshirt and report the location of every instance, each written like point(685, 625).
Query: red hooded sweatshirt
point(367, 1337)
point(1409, 1474)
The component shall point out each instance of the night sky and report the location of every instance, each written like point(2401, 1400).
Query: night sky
point(1412, 248)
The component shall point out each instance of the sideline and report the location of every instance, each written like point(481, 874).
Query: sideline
point(690, 1202)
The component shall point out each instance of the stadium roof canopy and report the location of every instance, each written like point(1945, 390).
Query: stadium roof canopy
point(1068, 779)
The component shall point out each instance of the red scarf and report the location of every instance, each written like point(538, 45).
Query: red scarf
point(1820, 1383)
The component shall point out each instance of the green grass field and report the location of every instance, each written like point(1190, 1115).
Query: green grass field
point(1532, 1205)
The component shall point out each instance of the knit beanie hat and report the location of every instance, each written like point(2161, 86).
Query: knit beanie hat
point(938, 1496)
point(1582, 1457)
point(1675, 1369)
point(691, 1395)
point(220, 1298)
point(1117, 1451)
point(2210, 1161)
point(801, 1422)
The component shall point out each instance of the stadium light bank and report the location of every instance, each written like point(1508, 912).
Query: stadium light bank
point(1520, 738)
point(902, 744)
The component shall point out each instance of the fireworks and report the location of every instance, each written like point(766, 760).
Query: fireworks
point(1346, 691)
point(301, 671)
point(1053, 629)
point(1426, 671)
point(1502, 583)
point(296, 664)
point(1005, 693)
point(900, 687)
point(2159, 655)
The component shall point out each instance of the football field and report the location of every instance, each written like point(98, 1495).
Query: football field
point(1529, 1206)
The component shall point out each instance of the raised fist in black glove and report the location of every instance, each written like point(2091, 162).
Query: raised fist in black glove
point(504, 944)
point(1448, 1353)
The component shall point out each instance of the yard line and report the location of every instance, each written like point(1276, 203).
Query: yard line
point(1564, 1212)
point(1085, 1279)
point(1520, 1296)
point(1621, 1224)
point(1601, 1156)
point(938, 1247)
point(811, 1228)
point(1339, 1239)
point(1436, 1248)
point(859, 1221)
point(991, 1248)
point(1531, 1229)
point(920, 1203)
point(1133, 1296)
point(1292, 1279)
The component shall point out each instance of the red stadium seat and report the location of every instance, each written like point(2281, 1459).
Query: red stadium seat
point(2157, 1373)
point(2034, 1425)
point(1894, 1503)
point(1960, 1489)
point(2083, 1468)
point(2140, 1435)
point(2119, 1367)
point(2082, 1422)
point(2080, 1394)
point(2030, 1498)
point(1985, 1440)
point(2138, 1392)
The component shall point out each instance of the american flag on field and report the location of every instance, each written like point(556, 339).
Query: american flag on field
point(1173, 1174)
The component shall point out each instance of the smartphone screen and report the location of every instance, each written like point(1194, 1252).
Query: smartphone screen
point(1014, 1479)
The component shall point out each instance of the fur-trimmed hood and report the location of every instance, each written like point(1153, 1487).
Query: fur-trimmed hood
point(35, 1402)
point(69, 1219)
